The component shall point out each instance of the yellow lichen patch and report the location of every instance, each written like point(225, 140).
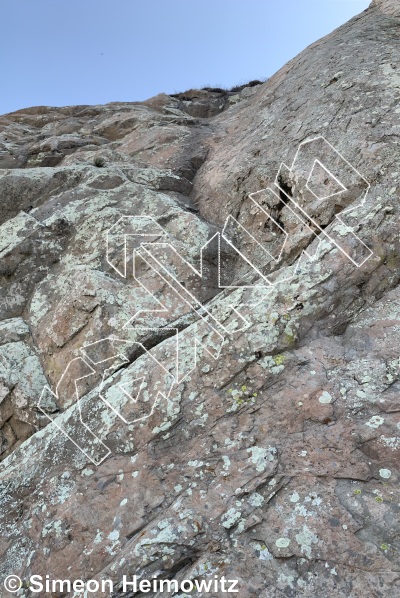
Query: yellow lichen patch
point(279, 359)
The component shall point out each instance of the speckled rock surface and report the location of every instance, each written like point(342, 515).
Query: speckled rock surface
point(274, 458)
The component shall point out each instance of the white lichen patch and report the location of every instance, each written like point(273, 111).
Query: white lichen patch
point(227, 464)
point(230, 518)
point(256, 499)
point(260, 456)
point(286, 580)
point(392, 442)
point(325, 398)
point(262, 550)
point(375, 421)
point(305, 538)
point(87, 472)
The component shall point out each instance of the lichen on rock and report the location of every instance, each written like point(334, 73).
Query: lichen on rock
point(272, 457)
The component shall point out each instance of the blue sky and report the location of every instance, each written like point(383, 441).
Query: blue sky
point(58, 53)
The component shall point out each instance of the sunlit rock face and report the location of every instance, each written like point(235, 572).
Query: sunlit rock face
point(200, 330)
point(389, 7)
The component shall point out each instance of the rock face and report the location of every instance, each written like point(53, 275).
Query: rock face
point(389, 7)
point(200, 322)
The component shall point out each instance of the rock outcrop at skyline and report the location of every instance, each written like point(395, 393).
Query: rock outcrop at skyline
point(199, 326)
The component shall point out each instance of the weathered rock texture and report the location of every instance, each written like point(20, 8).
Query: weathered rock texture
point(277, 463)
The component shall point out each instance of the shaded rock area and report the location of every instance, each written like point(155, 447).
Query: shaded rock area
point(273, 458)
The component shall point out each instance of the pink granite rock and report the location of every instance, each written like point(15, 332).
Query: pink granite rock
point(271, 455)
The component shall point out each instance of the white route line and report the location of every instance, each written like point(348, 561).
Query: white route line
point(145, 229)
